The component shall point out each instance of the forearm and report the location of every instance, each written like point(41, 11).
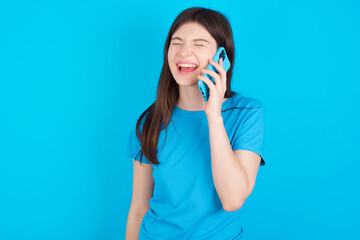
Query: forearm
point(229, 177)
point(133, 226)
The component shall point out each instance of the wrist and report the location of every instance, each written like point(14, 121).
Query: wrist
point(214, 118)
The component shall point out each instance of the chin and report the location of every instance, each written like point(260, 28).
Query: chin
point(189, 83)
point(186, 80)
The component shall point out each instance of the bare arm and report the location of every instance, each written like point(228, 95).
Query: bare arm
point(143, 186)
point(234, 172)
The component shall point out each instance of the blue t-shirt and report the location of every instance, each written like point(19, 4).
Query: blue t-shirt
point(185, 203)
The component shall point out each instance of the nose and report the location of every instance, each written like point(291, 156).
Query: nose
point(185, 51)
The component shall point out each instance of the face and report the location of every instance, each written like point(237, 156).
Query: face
point(191, 46)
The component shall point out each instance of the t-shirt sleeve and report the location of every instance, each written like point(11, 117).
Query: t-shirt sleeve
point(133, 147)
point(250, 134)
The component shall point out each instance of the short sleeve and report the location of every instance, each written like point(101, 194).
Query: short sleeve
point(133, 147)
point(249, 136)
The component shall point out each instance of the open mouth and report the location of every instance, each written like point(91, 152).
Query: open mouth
point(186, 68)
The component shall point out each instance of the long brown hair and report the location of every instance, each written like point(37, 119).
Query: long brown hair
point(158, 115)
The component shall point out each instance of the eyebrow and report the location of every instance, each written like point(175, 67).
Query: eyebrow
point(195, 40)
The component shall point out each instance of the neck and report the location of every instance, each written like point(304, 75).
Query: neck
point(190, 99)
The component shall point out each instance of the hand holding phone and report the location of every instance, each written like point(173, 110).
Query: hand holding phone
point(220, 53)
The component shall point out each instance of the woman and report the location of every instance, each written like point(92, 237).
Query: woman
point(199, 169)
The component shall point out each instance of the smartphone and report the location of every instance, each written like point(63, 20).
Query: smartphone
point(220, 53)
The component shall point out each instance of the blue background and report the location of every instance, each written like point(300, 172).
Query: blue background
point(76, 75)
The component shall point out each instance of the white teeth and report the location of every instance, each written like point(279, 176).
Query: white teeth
point(186, 65)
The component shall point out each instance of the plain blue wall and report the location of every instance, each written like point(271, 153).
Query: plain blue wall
point(75, 76)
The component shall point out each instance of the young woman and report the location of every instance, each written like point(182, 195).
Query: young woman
point(199, 169)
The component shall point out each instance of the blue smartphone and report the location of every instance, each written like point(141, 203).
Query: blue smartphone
point(220, 53)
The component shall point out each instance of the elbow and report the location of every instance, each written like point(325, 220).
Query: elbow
point(235, 203)
point(233, 207)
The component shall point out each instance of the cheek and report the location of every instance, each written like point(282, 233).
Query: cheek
point(169, 63)
point(170, 56)
point(170, 60)
point(205, 61)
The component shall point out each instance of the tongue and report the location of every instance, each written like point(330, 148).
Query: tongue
point(187, 69)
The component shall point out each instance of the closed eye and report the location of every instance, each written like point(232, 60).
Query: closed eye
point(197, 45)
